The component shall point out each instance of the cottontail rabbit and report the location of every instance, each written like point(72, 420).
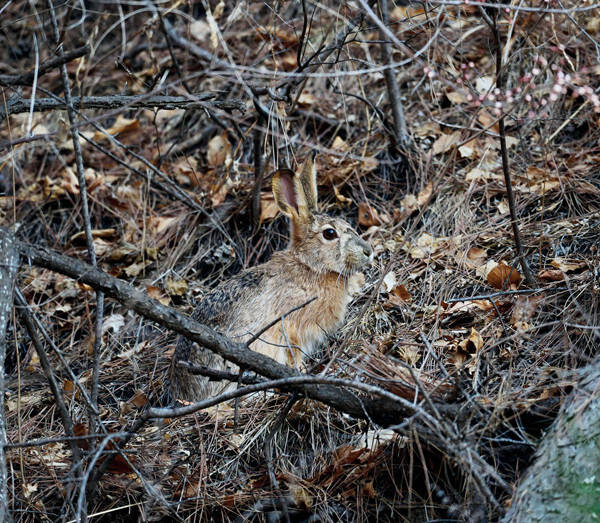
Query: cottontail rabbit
point(321, 261)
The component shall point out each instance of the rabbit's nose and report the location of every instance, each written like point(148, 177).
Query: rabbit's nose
point(367, 249)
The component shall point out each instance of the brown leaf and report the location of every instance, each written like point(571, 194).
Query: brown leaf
point(567, 265)
point(367, 215)
point(268, 207)
point(121, 126)
point(445, 142)
point(219, 151)
point(475, 257)
point(176, 287)
point(399, 296)
point(504, 276)
point(139, 399)
point(473, 344)
point(158, 294)
point(552, 275)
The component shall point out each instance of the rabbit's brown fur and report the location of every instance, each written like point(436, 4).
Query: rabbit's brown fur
point(314, 265)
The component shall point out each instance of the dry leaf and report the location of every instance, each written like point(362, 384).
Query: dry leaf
point(176, 287)
point(445, 142)
point(158, 294)
point(340, 145)
point(410, 354)
point(139, 399)
point(552, 275)
point(484, 83)
point(567, 265)
point(473, 344)
point(121, 126)
point(135, 269)
point(504, 276)
point(114, 322)
point(475, 257)
point(307, 99)
point(456, 98)
point(389, 281)
point(96, 233)
point(268, 207)
point(219, 151)
point(369, 164)
point(367, 215)
point(412, 203)
point(399, 295)
point(219, 196)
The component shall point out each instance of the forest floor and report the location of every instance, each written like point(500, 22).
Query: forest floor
point(445, 314)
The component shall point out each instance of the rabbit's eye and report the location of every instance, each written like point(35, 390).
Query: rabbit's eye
point(330, 234)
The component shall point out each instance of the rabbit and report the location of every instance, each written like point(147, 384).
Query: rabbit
point(322, 261)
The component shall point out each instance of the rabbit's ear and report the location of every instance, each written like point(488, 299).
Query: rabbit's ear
point(308, 187)
point(286, 193)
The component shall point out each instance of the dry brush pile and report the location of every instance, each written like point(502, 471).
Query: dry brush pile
point(422, 118)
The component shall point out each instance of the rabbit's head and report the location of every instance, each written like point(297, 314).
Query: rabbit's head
point(323, 243)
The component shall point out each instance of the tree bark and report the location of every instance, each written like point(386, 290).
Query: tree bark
point(563, 484)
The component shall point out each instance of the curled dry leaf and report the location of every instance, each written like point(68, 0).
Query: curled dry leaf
point(96, 233)
point(445, 142)
point(412, 203)
point(219, 151)
point(367, 215)
point(114, 322)
point(268, 207)
point(399, 296)
point(121, 126)
point(503, 276)
point(566, 265)
point(339, 144)
point(158, 294)
point(389, 281)
point(428, 245)
point(176, 287)
point(552, 275)
point(410, 354)
point(307, 99)
point(475, 257)
point(473, 344)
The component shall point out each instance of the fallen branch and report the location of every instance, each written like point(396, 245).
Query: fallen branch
point(9, 263)
point(379, 410)
point(18, 105)
point(7, 80)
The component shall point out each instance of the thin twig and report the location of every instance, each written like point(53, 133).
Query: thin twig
point(217, 375)
point(495, 295)
point(501, 84)
point(400, 137)
point(26, 317)
point(120, 101)
point(28, 77)
point(86, 216)
point(277, 320)
point(258, 167)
